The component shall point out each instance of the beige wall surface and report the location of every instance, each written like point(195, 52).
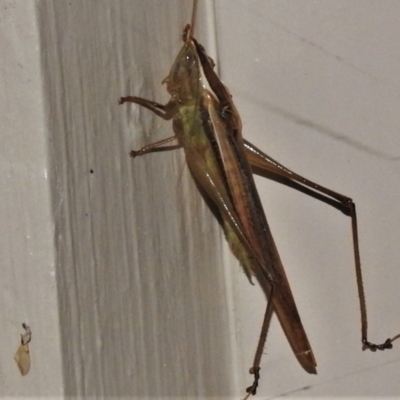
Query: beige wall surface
point(317, 84)
point(28, 292)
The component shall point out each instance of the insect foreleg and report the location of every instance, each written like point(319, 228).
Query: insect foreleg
point(166, 111)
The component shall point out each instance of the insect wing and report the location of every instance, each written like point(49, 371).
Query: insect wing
point(240, 184)
point(22, 356)
point(23, 359)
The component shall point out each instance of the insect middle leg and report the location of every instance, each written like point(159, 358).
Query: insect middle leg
point(156, 146)
point(166, 112)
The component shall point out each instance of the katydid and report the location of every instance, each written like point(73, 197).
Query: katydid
point(207, 126)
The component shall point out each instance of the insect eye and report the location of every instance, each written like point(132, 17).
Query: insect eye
point(186, 64)
point(189, 60)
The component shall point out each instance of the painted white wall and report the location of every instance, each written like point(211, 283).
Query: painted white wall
point(130, 235)
point(123, 271)
point(317, 83)
point(135, 301)
point(27, 252)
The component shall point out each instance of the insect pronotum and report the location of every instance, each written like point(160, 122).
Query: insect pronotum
point(207, 126)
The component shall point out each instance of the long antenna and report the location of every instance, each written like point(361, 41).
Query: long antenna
point(193, 19)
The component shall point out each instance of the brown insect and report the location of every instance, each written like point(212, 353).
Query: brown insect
point(208, 127)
